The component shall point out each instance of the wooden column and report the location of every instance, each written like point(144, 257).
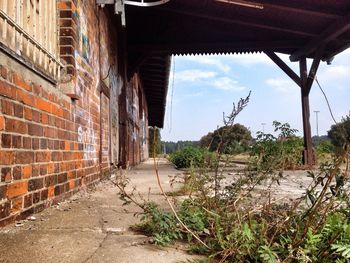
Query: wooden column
point(308, 155)
point(304, 82)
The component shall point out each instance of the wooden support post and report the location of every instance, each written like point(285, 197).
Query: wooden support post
point(308, 155)
point(304, 82)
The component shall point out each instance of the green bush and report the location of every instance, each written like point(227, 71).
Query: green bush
point(240, 222)
point(227, 139)
point(188, 157)
point(281, 152)
point(159, 224)
point(325, 147)
point(340, 134)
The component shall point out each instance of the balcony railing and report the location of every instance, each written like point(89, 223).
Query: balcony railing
point(29, 28)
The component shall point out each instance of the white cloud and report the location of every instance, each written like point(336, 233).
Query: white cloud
point(226, 83)
point(193, 75)
point(211, 61)
point(196, 94)
point(336, 72)
point(282, 85)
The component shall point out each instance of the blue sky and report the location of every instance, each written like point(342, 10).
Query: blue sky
point(201, 88)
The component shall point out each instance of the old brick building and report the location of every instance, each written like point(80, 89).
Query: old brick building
point(81, 80)
point(70, 109)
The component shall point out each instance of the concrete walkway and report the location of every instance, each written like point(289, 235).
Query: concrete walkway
point(92, 226)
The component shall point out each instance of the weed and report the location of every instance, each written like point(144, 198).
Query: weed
point(237, 222)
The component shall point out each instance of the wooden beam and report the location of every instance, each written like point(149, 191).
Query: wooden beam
point(279, 62)
point(313, 69)
point(309, 12)
point(308, 152)
point(239, 21)
point(329, 56)
point(135, 65)
point(332, 32)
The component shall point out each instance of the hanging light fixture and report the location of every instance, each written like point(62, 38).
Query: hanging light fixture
point(142, 3)
point(243, 3)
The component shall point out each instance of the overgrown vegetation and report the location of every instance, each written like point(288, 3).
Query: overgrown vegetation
point(340, 134)
point(154, 141)
point(192, 157)
point(188, 157)
point(237, 221)
point(171, 147)
point(234, 139)
point(281, 152)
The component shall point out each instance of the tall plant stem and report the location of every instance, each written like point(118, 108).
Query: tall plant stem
point(167, 198)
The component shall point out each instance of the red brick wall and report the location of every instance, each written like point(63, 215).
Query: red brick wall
point(40, 155)
point(137, 122)
point(58, 138)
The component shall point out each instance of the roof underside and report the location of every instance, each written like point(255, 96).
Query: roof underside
point(181, 27)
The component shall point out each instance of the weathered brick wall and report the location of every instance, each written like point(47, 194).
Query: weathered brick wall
point(52, 145)
point(57, 138)
point(137, 117)
point(40, 156)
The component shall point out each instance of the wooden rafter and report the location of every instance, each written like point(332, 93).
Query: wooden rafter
point(138, 62)
point(239, 21)
point(331, 55)
point(332, 32)
point(304, 11)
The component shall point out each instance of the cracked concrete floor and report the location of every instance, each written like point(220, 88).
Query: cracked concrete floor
point(92, 227)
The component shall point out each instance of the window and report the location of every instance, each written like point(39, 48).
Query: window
point(29, 28)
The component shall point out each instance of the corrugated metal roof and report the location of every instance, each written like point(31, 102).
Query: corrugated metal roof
point(184, 27)
point(154, 73)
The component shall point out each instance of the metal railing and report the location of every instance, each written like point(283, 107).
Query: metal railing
point(29, 28)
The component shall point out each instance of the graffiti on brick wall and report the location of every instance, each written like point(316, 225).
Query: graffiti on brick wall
point(143, 137)
point(143, 129)
point(82, 31)
point(87, 137)
point(115, 84)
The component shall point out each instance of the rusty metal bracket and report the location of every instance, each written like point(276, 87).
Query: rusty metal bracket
point(119, 6)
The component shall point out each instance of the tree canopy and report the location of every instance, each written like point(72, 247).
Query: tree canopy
point(340, 133)
point(154, 143)
point(227, 139)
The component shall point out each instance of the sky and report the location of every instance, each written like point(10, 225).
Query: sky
point(201, 88)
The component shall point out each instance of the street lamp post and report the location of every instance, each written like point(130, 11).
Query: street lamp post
point(263, 126)
point(316, 112)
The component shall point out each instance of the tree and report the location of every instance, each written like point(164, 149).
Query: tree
point(235, 139)
point(154, 145)
point(171, 147)
point(340, 134)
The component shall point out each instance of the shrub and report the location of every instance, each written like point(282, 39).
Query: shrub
point(238, 221)
point(228, 139)
point(155, 146)
point(325, 146)
point(281, 152)
point(340, 133)
point(187, 157)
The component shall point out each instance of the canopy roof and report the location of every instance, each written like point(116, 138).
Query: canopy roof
point(182, 27)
